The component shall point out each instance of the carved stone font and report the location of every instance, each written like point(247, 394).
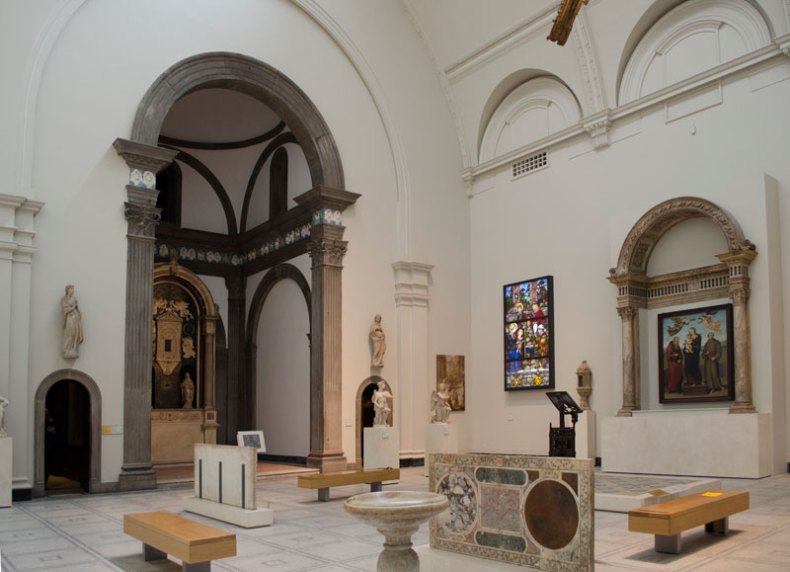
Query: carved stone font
point(72, 324)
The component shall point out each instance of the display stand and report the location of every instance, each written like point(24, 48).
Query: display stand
point(562, 440)
point(440, 438)
point(381, 448)
point(6, 456)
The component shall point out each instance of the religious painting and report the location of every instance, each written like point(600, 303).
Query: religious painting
point(695, 355)
point(450, 372)
point(529, 334)
point(252, 439)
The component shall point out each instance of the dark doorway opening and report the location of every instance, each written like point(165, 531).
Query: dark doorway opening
point(67, 438)
point(368, 414)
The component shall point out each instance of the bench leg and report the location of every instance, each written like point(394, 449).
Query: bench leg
point(323, 494)
point(668, 544)
point(721, 526)
point(151, 553)
point(196, 566)
point(375, 487)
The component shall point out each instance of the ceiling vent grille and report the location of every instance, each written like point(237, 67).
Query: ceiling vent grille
point(530, 164)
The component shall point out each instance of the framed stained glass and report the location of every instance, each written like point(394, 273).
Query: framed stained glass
point(529, 334)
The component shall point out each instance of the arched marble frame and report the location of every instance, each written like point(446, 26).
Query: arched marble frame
point(358, 407)
point(636, 290)
point(94, 394)
point(275, 275)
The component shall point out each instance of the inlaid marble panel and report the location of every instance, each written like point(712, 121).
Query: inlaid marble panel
point(525, 510)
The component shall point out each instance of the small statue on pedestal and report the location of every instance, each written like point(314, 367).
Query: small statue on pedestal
point(378, 342)
point(187, 391)
point(381, 406)
point(440, 405)
point(72, 324)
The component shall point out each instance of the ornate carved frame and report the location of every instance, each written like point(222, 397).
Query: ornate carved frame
point(636, 290)
point(208, 331)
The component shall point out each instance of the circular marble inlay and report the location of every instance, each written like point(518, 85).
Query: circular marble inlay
point(460, 491)
point(552, 514)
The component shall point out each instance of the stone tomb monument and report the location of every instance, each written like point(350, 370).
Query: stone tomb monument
point(381, 445)
point(225, 486)
point(529, 511)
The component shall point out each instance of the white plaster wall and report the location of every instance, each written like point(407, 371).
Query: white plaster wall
point(282, 401)
point(101, 64)
point(570, 220)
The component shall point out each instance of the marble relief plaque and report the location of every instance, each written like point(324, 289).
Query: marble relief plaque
point(526, 510)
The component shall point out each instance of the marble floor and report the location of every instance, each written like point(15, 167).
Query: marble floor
point(83, 533)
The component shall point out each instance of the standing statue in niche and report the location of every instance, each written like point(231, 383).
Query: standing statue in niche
point(3, 407)
point(381, 406)
point(378, 341)
point(72, 324)
point(440, 404)
point(187, 391)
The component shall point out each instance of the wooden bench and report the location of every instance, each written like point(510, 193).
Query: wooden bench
point(194, 543)
point(323, 481)
point(668, 519)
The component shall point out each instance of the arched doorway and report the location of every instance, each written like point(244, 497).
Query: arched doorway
point(365, 412)
point(67, 434)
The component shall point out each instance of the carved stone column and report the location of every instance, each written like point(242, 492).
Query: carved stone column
point(240, 397)
point(326, 249)
point(209, 407)
point(629, 315)
point(144, 162)
point(738, 264)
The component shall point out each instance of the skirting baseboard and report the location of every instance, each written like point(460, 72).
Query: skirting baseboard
point(412, 462)
point(289, 459)
point(18, 495)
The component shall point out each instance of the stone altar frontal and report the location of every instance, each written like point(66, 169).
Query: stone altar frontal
point(6, 457)
point(526, 510)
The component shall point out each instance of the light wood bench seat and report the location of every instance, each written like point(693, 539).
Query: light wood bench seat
point(194, 543)
point(668, 519)
point(323, 481)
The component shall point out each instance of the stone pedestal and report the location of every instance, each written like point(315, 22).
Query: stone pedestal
point(6, 455)
point(381, 448)
point(440, 438)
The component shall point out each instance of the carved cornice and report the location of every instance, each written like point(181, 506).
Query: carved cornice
point(585, 52)
point(646, 233)
point(321, 198)
point(143, 156)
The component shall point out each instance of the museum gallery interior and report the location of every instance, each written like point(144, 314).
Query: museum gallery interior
point(354, 233)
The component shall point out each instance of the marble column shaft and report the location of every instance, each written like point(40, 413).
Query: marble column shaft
point(326, 250)
point(629, 316)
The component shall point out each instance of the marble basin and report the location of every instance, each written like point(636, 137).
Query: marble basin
point(397, 515)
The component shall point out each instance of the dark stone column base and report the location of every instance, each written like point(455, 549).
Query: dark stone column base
point(328, 462)
point(136, 479)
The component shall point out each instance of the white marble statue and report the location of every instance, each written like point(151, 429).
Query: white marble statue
point(381, 406)
point(187, 391)
point(3, 408)
point(440, 405)
point(378, 341)
point(72, 324)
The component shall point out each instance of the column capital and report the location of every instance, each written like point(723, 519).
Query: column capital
point(142, 220)
point(627, 313)
point(325, 246)
point(412, 280)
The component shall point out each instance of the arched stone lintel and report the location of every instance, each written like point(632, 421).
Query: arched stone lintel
point(94, 394)
point(256, 79)
point(649, 229)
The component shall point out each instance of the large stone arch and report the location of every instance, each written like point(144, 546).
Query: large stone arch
point(256, 79)
point(94, 393)
point(275, 275)
point(325, 203)
point(636, 290)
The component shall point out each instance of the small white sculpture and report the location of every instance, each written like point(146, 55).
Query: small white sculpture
point(440, 405)
point(72, 324)
point(381, 406)
point(187, 391)
point(379, 342)
point(3, 407)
